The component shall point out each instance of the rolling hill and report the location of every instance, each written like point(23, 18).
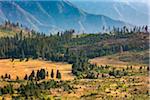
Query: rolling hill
point(9, 29)
point(122, 60)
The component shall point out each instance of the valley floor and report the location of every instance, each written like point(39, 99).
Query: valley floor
point(134, 86)
point(125, 88)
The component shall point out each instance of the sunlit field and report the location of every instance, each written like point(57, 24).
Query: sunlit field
point(21, 68)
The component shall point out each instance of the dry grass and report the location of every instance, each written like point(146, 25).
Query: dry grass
point(108, 61)
point(114, 60)
point(17, 68)
point(3, 34)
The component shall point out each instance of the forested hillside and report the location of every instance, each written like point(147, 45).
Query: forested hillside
point(30, 69)
point(75, 49)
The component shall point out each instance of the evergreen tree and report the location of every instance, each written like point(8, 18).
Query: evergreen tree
point(26, 77)
point(12, 59)
point(146, 28)
point(9, 77)
point(46, 73)
point(30, 77)
point(42, 73)
point(6, 75)
point(22, 55)
point(147, 68)
point(32, 74)
point(4, 90)
point(1, 92)
point(17, 78)
point(2, 77)
point(58, 75)
point(52, 74)
point(38, 75)
point(27, 59)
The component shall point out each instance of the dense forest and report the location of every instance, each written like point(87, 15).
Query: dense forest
point(72, 48)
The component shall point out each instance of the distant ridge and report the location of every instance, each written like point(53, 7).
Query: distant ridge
point(53, 16)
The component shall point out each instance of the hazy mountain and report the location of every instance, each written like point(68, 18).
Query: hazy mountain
point(131, 11)
point(50, 16)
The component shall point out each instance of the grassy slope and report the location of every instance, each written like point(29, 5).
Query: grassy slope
point(10, 31)
point(136, 59)
point(4, 33)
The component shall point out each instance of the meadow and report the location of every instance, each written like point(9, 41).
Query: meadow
point(21, 68)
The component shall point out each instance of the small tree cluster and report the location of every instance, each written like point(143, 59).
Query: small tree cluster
point(6, 76)
point(117, 73)
point(6, 90)
point(42, 74)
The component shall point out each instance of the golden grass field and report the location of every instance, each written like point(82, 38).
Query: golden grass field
point(84, 89)
point(17, 68)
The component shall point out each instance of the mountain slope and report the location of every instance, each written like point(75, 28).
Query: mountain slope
point(51, 16)
point(133, 12)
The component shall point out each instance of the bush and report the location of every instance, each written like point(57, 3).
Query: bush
point(118, 73)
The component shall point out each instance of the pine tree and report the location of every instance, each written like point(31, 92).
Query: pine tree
point(32, 75)
point(58, 75)
point(1, 92)
point(4, 90)
point(146, 28)
point(2, 77)
point(52, 73)
point(9, 77)
point(22, 55)
point(47, 74)
point(42, 73)
point(27, 59)
point(26, 77)
point(12, 59)
point(147, 68)
point(6, 76)
point(17, 78)
point(38, 75)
